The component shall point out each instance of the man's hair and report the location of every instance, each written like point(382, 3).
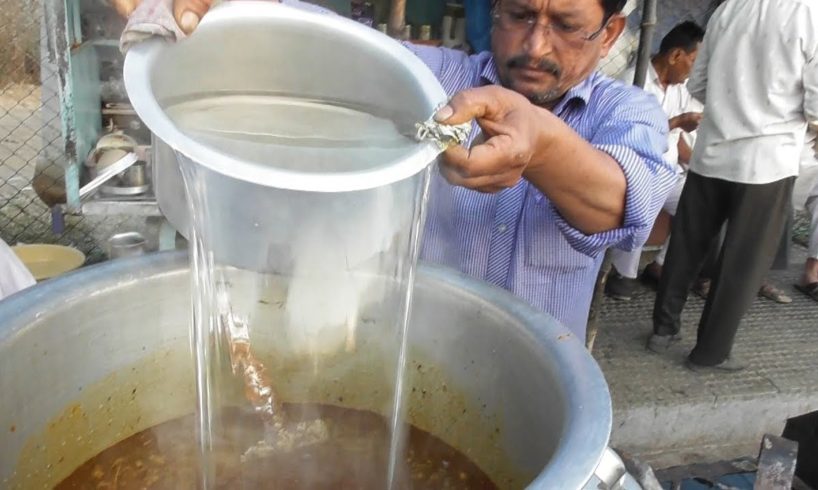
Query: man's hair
point(686, 36)
point(611, 6)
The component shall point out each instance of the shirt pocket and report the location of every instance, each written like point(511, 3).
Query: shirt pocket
point(545, 246)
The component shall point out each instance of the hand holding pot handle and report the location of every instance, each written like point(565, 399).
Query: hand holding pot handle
point(511, 128)
point(188, 13)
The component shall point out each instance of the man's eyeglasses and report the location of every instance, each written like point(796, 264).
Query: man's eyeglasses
point(524, 21)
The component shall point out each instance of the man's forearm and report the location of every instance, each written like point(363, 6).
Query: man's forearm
point(685, 152)
point(585, 184)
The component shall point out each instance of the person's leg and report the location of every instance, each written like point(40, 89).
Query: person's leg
point(662, 255)
point(671, 206)
point(701, 286)
point(781, 262)
point(811, 270)
point(701, 212)
point(622, 281)
point(745, 258)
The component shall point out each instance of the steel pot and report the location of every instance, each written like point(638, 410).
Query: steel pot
point(95, 356)
point(126, 244)
point(260, 190)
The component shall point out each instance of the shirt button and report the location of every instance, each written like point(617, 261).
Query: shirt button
point(502, 227)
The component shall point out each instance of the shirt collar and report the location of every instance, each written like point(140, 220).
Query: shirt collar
point(580, 93)
point(488, 73)
point(653, 76)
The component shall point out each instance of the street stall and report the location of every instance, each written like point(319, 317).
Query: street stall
point(298, 343)
point(304, 349)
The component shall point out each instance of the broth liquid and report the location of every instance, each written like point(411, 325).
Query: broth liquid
point(353, 457)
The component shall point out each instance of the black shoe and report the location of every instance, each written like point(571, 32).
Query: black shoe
point(619, 287)
point(731, 365)
point(701, 288)
point(650, 276)
point(661, 343)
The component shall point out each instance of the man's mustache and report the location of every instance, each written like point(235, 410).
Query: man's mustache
point(525, 61)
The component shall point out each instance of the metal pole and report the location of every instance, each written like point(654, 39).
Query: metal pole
point(397, 18)
point(645, 42)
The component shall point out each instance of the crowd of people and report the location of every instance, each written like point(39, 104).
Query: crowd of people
point(571, 163)
point(732, 209)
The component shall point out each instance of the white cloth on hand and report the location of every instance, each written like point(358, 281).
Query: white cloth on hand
point(151, 18)
point(155, 18)
point(14, 276)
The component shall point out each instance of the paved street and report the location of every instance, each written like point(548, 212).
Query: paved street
point(669, 415)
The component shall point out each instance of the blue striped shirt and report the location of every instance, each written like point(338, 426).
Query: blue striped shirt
point(516, 239)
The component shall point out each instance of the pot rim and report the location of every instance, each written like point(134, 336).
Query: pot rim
point(142, 58)
point(586, 430)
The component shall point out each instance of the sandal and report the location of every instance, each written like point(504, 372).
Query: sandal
point(701, 288)
point(810, 290)
point(774, 294)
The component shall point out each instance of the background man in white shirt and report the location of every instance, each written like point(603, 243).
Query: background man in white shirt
point(809, 279)
point(667, 73)
point(757, 74)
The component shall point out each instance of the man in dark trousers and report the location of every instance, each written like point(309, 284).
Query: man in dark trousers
point(757, 74)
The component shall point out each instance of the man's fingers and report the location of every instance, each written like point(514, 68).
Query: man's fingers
point(125, 7)
point(189, 13)
point(475, 103)
point(489, 184)
point(479, 160)
point(484, 168)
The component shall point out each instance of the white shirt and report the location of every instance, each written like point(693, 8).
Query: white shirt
point(809, 157)
point(757, 74)
point(675, 100)
point(13, 274)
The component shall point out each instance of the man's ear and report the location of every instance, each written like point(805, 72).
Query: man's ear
point(612, 32)
point(675, 55)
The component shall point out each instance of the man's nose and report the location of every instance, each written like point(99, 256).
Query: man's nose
point(538, 43)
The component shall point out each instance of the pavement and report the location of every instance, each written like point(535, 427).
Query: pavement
point(667, 415)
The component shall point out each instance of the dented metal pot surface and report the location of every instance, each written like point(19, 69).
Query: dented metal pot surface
point(93, 357)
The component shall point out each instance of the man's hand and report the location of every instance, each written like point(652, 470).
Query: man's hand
point(509, 124)
point(688, 122)
point(188, 13)
point(586, 185)
point(125, 7)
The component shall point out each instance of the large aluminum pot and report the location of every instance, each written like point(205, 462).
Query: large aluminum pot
point(95, 356)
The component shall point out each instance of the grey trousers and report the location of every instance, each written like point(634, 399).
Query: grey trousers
point(782, 254)
point(755, 217)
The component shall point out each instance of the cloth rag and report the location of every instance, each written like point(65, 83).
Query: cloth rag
point(14, 276)
point(155, 18)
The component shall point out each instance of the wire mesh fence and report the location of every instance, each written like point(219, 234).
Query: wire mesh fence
point(669, 13)
point(32, 156)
